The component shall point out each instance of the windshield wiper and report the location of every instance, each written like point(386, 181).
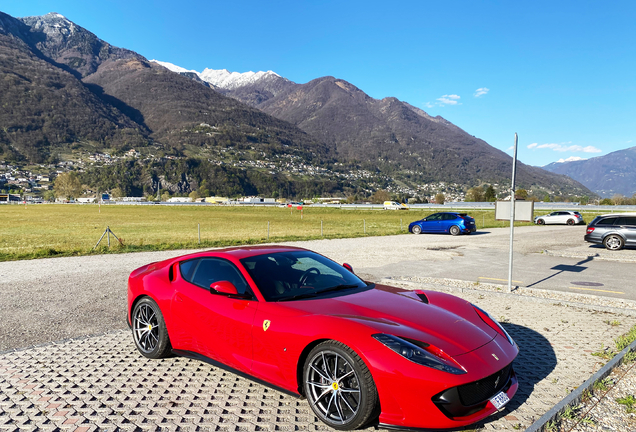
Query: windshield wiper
point(300, 296)
point(317, 293)
point(338, 288)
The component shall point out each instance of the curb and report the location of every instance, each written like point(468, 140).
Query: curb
point(574, 398)
point(600, 308)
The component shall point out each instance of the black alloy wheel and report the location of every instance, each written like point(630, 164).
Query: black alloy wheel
point(540, 222)
point(570, 222)
point(149, 330)
point(339, 387)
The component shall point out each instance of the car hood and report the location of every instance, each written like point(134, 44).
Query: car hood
point(447, 322)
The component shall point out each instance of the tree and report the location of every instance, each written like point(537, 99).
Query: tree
point(618, 199)
point(546, 198)
point(606, 201)
point(490, 194)
point(380, 196)
point(521, 194)
point(440, 198)
point(194, 195)
point(475, 194)
point(67, 186)
point(116, 193)
point(165, 196)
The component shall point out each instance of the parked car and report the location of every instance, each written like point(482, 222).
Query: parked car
point(362, 354)
point(444, 222)
point(614, 231)
point(560, 217)
point(394, 205)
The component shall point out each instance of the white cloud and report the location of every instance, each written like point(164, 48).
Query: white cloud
point(564, 147)
point(571, 159)
point(445, 100)
point(481, 91)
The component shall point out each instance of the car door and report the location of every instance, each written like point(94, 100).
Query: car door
point(552, 218)
point(627, 226)
point(433, 223)
point(219, 325)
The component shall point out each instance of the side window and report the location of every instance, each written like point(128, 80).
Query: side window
point(187, 268)
point(626, 221)
point(433, 217)
point(606, 221)
point(450, 217)
point(206, 271)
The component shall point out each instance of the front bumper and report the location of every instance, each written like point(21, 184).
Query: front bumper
point(415, 397)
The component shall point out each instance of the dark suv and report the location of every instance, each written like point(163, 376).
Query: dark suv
point(614, 231)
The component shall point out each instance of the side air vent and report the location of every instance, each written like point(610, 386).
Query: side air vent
point(423, 297)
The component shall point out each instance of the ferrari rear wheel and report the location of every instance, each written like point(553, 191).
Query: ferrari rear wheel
point(339, 386)
point(149, 330)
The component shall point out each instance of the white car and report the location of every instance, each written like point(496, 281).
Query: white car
point(394, 205)
point(560, 217)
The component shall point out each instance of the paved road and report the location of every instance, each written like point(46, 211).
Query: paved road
point(545, 257)
point(52, 299)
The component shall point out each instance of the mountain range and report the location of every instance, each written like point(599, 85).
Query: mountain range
point(62, 87)
point(608, 175)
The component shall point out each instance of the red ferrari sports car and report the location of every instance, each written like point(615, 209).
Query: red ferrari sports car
point(293, 319)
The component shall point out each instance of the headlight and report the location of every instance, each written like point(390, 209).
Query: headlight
point(485, 317)
point(428, 356)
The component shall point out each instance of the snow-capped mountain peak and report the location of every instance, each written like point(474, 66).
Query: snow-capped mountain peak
point(570, 159)
point(231, 80)
point(222, 78)
point(173, 67)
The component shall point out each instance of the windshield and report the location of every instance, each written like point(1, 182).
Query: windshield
point(294, 275)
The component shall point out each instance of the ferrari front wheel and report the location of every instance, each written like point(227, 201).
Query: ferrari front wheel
point(339, 386)
point(149, 330)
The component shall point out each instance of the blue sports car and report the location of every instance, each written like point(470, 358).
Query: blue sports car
point(444, 222)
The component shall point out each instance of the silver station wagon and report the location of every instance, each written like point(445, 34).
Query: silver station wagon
point(614, 231)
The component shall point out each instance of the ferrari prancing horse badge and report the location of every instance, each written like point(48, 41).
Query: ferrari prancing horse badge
point(266, 324)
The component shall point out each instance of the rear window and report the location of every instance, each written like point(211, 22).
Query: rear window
point(606, 221)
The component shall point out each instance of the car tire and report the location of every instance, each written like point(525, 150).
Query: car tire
point(454, 230)
point(149, 330)
point(344, 403)
point(570, 222)
point(416, 229)
point(613, 242)
point(540, 222)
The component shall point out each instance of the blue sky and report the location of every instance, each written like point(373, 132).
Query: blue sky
point(562, 74)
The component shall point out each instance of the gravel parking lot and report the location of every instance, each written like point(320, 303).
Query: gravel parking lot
point(99, 382)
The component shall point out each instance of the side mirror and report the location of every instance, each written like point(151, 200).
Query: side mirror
point(348, 267)
point(224, 287)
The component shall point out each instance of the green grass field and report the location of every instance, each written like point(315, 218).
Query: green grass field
point(37, 231)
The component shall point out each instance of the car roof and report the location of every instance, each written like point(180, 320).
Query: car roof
point(632, 214)
point(241, 252)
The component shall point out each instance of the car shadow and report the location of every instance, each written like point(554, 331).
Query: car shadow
point(536, 360)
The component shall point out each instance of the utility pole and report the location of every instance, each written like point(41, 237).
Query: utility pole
point(512, 214)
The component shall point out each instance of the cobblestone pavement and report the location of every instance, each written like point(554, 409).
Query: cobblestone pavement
point(102, 383)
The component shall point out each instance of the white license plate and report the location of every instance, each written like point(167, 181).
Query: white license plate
point(500, 399)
